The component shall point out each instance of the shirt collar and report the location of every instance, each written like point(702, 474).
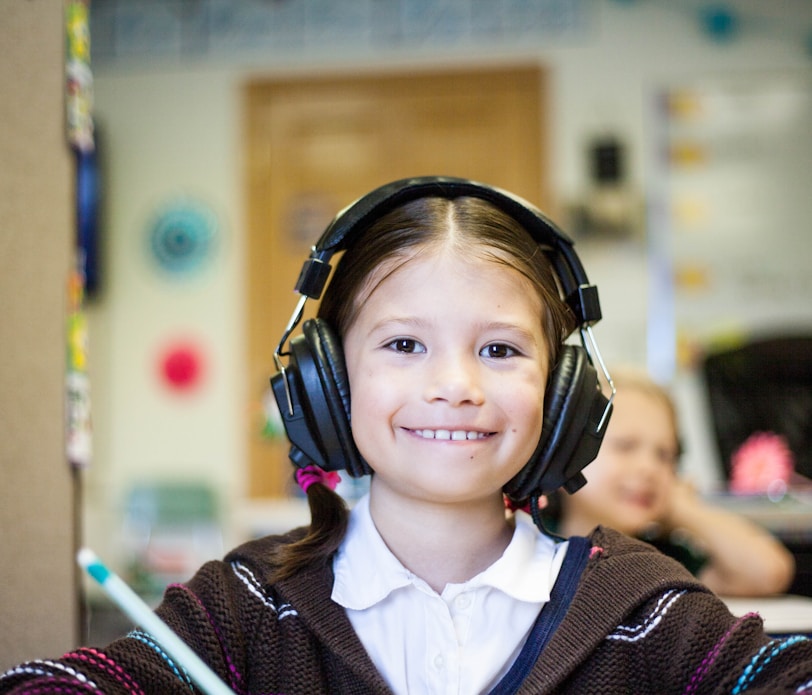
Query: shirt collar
point(366, 571)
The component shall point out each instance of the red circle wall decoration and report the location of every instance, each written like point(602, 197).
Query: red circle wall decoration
point(182, 366)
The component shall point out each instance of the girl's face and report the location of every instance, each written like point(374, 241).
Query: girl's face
point(447, 367)
point(630, 481)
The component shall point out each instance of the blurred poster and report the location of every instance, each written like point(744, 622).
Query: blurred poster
point(78, 75)
point(79, 122)
point(731, 215)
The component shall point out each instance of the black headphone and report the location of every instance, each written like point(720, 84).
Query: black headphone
point(313, 392)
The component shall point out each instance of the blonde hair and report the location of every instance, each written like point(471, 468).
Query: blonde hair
point(628, 378)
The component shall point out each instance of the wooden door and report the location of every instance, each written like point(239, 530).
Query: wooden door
point(312, 145)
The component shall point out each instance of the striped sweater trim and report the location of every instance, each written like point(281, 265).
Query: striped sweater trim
point(100, 660)
point(62, 674)
point(804, 688)
point(58, 686)
point(762, 658)
point(234, 676)
point(255, 589)
point(634, 633)
point(149, 640)
point(711, 656)
point(248, 578)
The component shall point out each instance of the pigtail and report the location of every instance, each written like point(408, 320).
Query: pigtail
point(329, 517)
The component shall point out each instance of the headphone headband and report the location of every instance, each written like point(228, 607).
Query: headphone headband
point(389, 196)
point(580, 295)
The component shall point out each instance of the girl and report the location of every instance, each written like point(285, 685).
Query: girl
point(635, 489)
point(447, 313)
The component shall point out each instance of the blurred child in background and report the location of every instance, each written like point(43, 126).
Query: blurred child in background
point(633, 486)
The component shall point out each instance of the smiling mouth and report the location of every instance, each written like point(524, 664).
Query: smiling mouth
point(640, 500)
point(451, 435)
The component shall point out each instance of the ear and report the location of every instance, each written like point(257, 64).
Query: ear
point(320, 426)
point(570, 434)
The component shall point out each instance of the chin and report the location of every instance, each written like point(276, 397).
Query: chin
point(640, 528)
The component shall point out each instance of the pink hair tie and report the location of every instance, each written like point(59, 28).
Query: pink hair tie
point(313, 474)
point(512, 506)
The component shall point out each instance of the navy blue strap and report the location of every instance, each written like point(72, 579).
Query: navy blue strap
point(550, 617)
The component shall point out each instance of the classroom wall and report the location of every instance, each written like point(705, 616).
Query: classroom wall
point(38, 588)
point(170, 119)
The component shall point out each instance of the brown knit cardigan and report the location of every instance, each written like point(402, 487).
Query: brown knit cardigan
point(637, 623)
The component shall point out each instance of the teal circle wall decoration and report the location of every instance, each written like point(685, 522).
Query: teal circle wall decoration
point(183, 236)
point(720, 22)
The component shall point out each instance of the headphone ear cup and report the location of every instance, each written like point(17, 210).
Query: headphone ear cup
point(325, 395)
point(570, 436)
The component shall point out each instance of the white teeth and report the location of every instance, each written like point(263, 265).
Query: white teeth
point(455, 435)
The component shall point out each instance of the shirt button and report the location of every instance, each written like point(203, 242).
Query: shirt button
point(463, 601)
point(439, 661)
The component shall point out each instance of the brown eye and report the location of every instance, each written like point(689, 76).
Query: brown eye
point(497, 351)
point(406, 345)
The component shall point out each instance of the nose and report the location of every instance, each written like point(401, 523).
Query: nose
point(646, 461)
point(454, 378)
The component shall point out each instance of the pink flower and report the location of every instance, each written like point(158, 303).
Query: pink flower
point(762, 464)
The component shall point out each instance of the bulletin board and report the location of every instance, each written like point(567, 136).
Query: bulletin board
point(731, 215)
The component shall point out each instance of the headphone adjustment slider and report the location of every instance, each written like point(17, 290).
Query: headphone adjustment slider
point(312, 277)
point(585, 304)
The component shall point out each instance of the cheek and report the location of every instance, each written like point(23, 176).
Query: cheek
point(362, 425)
point(362, 399)
point(604, 470)
point(526, 410)
point(370, 404)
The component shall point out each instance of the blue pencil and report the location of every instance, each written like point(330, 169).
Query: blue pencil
point(138, 611)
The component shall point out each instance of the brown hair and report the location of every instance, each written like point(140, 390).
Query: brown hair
point(472, 225)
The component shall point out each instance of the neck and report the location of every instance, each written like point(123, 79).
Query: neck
point(439, 542)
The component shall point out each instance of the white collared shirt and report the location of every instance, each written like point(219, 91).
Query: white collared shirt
point(461, 641)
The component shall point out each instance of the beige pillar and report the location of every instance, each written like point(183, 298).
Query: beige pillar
point(38, 594)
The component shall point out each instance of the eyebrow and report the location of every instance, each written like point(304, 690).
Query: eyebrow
point(510, 327)
point(386, 321)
